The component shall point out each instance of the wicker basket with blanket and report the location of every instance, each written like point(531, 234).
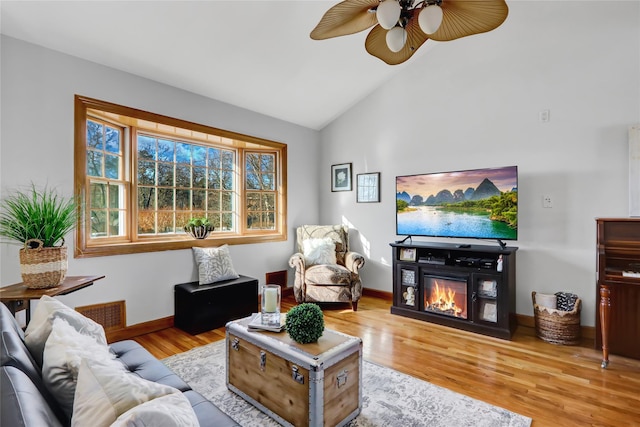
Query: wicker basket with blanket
point(559, 324)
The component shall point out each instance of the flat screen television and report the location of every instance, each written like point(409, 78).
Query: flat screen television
point(478, 204)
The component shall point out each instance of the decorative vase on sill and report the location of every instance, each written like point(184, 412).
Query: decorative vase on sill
point(39, 220)
point(199, 228)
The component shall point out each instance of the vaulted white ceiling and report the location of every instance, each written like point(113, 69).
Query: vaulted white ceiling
point(252, 54)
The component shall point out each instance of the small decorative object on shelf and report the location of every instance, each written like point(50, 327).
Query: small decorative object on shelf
point(199, 228)
point(305, 323)
point(270, 305)
point(38, 219)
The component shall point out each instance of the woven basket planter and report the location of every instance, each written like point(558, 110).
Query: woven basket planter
point(43, 267)
point(557, 326)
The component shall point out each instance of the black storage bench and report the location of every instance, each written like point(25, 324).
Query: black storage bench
point(200, 308)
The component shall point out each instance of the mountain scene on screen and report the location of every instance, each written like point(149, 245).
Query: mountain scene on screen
point(459, 204)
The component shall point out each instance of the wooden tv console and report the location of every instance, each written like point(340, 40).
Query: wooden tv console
point(482, 277)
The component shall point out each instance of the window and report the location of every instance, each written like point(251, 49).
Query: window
point(141, 176)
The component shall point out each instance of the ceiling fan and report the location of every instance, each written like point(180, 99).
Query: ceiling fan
point(400, 27)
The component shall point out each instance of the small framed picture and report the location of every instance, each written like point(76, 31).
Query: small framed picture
point(341, 177)
point(368, 187)
point(408, 254)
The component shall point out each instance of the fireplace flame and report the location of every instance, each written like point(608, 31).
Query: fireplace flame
point(443, 301)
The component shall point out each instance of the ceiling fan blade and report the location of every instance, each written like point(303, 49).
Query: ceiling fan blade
point(463, 18)
point(347, 17)
point(376, 43)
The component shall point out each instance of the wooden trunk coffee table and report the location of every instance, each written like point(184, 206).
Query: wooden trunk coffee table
point(317, 384)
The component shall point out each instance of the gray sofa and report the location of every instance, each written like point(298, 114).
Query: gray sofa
point(27, 402)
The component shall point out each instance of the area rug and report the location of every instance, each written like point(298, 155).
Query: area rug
point(389, 398)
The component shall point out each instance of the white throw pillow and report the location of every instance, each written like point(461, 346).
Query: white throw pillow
point(319, 251)
point(103, 393)
point(64, 350)
point(39, 327)
point(172, 410)
point(214, 264)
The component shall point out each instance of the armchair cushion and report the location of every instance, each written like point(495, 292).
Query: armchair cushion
point(319, 251)
point(319, 275)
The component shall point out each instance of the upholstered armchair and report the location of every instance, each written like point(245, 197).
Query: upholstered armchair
point(326, 271)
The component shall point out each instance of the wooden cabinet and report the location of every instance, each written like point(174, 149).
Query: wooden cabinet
point(617, 290)
point(469, 287)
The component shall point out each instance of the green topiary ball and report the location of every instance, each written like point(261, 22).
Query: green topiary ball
point(305, 323)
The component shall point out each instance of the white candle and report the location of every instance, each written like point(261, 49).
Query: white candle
point(271, 300)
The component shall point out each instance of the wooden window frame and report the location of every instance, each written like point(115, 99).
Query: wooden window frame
point(133, 243)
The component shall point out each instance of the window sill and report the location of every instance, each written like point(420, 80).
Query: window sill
point(168, 245)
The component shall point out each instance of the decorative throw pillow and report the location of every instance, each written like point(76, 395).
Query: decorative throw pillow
point(64, 350)
point(319, 251)
point(39, 327)
point(172, 410)
point(214, 264)
point(103, 393)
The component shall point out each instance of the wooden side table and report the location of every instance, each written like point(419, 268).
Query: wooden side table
point(14, 296)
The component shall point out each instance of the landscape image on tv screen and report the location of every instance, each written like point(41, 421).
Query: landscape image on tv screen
point(479, 203)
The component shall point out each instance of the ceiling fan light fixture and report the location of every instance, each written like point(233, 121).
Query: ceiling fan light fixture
point(388, 13)
point(396, 39)
point(430, 18)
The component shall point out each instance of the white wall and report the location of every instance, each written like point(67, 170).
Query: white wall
point(36, 144)
point(475, 103)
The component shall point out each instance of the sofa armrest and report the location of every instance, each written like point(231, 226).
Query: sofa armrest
point(353, 261)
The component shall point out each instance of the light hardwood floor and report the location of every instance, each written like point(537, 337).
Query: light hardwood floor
point(554, 385)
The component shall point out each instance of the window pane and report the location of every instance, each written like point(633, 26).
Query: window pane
point(182, 218)
point(227, 180)
point(165, 174)
point(213, 202)
point(146, 222)
point(146, 198)
point(183, 199)
point(146, 147)
point(112, 167)
point(94, 163)
point(268, 182)
point(268, 222)
point(227, 160)
point(146, 172)
point(199, 155)
point(227, 222)
point(198, 202)
point(253, 201)
point(165, 150)
point(166, 222)
point(165, 198)
point(199, 177)
point(98, 223)
point(94, 135)
point(183, 153)
point(268, 202)
point(183, 176)
point(227, 201)
point(214, 179)
point(253, 221)
point(214, 158)
point(114, 196)
point(114, 223)
point(253, 182)
point(98, 198)
point(267, 163)
point(113, 140)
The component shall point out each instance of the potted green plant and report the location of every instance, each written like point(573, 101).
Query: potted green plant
point(305, 323)
point(38, 220)
point(199, 228)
